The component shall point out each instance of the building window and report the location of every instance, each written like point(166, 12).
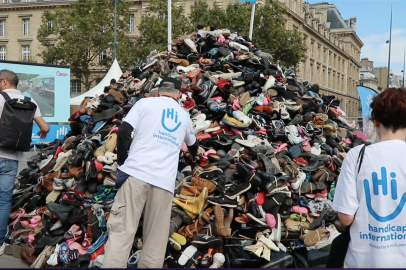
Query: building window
point(26, 27)
point(6, 1)
point(294, 5)
point(50, 25)
point(131, 24)
point(2, 52)
point(2, 28)
point(25, 52)
point(102, 56)
point(75, 87)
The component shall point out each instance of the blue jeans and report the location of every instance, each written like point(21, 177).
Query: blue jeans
point(8, 173)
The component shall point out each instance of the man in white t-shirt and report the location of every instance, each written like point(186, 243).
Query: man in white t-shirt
point(149, 171)
point(9, 159)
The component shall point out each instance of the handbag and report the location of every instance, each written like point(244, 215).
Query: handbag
point(28, 253)
point(299, 253)
point(339, 246)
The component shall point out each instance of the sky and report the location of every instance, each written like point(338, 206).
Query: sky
point(373, 24)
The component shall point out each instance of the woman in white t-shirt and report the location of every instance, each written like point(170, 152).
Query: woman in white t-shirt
point(373, 200)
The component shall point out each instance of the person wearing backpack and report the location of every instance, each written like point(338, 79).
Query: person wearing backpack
point(14, 105)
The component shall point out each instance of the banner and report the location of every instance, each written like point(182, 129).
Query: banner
point(55, 132)
point(366, 95)
point(251, 1)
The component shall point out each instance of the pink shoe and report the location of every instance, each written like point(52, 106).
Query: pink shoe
point(270, 220)
point(322, 195)
point(261, 131)
point(211, 151)
point(31, 238)
point(35, 220)
point(300, 210)
point(265, 102)
point(218, 99)
point(236, 131)
point(282, 146)
point(236, 104)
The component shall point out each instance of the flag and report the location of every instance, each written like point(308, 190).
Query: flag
point(366, 95)
point(251, 1)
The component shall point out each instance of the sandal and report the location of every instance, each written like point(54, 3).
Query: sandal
point(63, 252)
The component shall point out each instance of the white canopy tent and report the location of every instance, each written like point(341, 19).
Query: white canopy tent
point(113, 73)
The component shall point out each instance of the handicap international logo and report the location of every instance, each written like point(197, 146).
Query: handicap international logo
point(169, 120)
point(383, 182)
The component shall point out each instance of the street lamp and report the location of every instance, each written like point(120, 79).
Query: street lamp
point(115, 31)
point(390, 43)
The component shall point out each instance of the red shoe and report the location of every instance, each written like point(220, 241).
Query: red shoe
point(301, 160)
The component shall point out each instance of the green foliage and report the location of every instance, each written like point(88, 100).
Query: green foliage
point(154, 25)
point(82, 32)
point(269, 31)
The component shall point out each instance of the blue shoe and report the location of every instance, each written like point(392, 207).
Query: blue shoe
point(99, 242)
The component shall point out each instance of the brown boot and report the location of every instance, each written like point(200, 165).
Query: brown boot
point(218, 226)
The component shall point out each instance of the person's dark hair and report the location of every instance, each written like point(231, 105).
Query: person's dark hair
point(10, 76)
point(200, 26)
point(389, 108)
point(315, 88)
point(212, 28)
point(113, 81)
point(106, 89)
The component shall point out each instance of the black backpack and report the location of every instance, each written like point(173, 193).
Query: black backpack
point(16, 123)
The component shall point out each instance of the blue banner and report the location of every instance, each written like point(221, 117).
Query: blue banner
point(251, 1)
point(55, 132)
point(366, 95)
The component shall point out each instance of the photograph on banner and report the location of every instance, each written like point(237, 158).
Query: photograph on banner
point(366, 96)
point(41, 89)
point(48, 85)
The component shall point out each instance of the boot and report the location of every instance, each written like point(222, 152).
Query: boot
point(194, 206)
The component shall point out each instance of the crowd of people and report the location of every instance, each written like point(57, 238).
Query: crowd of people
point(211, 155)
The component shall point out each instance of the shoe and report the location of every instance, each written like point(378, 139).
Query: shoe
point(223, 201)
point(236, 189)
point(194, 206)
point(203, 241)
point(329, 240)
point(232, 122)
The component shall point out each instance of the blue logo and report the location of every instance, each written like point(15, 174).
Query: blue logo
point(393, 190)
point(170, 114)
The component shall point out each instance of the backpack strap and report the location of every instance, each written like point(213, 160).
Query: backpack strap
point(26, 99)
point(360, 157)
point(6, 97)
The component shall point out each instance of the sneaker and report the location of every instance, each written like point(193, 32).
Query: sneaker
point(236, 189)
point(206, 241)
point(151, 61)
point(2, 247)
point(223, 201)
point(300, 178)
point(240, 116)
point(283, 112)
point(200, 126)
point(260, 99)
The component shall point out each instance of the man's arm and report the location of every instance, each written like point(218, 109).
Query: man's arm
point(43, 127)
point(345, 219)
point(123, 142)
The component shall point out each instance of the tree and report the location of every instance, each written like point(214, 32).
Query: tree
point(77, 35)
point(270, 32)
point(154, 27)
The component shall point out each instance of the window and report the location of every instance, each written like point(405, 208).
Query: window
point(26, 52)
point(50, 25)
point(131, 24)
point(26, 27)
point(294, 5)
point(2, 28)
point(2, 52)
point(75, 87)
point(361, 76)
point(6, 1)
point(102, 56)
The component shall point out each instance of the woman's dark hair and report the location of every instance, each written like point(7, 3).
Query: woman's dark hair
point(389, 108)
point(113, 81)
point(106, 89)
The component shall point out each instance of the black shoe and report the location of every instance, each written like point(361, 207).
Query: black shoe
point(204, 241)
point(237, 188)
point(223, 201)
point(325, 216)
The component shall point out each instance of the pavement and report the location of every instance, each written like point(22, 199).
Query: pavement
point(7, 262)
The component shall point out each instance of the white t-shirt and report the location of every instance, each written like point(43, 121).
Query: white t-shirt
point(377, 198)
point(161, 126)
point(14, 93)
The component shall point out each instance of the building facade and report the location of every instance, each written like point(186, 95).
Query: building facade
point(332, 58)
point(367, 76)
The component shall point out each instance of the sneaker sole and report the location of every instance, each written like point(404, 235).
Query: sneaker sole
point(222, 204)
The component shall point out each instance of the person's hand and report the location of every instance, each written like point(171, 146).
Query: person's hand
point(42, 134)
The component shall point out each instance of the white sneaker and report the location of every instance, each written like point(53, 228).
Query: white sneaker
point(269, 83)
point(199, 118)
point(200, 126)
point(301, 176)
point(284, 113)
point(260, 99)
point(240, 116)
point(2, 248)
point(190, 44)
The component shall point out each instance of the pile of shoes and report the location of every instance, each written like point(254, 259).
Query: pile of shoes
point(262, 190)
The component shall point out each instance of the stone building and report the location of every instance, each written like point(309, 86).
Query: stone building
point(367, 76)
point(332, 58)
